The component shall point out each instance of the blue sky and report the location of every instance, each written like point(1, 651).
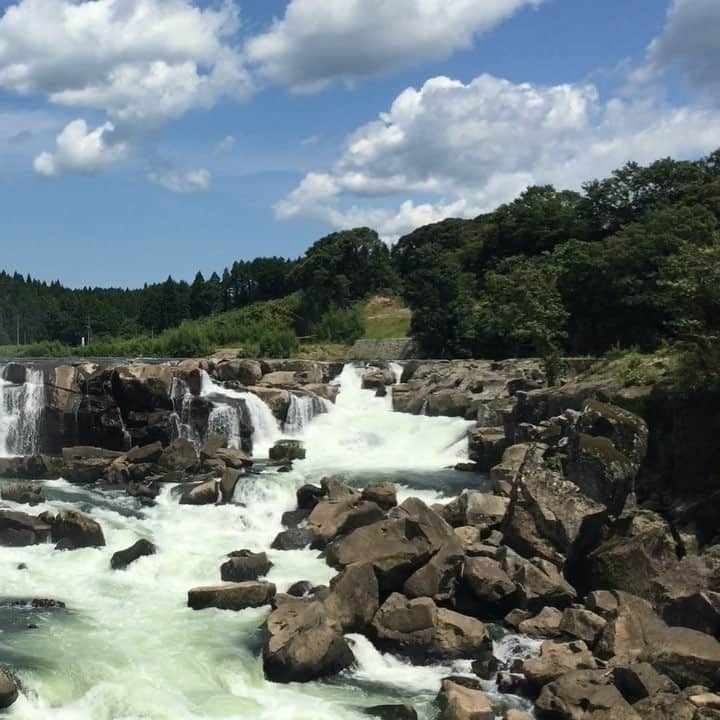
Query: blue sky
point(141, 138)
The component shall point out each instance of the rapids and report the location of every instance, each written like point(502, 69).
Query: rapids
point(128, 648)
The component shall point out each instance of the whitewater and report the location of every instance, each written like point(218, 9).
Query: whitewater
point(128, 648)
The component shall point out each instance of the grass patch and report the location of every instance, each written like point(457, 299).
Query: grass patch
point(386, 318)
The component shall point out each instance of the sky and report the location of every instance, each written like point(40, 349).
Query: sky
point(147, 138)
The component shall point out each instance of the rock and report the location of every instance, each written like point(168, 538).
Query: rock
point(233, 458)
point(666, 706)
point(377, 378)
point(277, 399)
point(707, 700)
point(75, 530)
point(228, 481)
point(419, 629)
point(476, 509)
point(438, 577)
point(627, 431)
point(180, 455)
point(637, 681)
point(582, 624)
point(308, 496)
point(353, 599)
point(303, 643)
point(517, 715)
point(486, 446)
point(85, 471)
point(294, 518)
point(549, 517)
point(391, 712)
point(122, 558)
point(488, 582)
point(246, 372)
point(14, 373)
point(203, 494)
point(333, 517)
point(300, 589)
point(459, 702)
point(557, 659)
point(538, 582)
point(292, 539)
point(382, 494)
point(22, 493)
point(632, 561)
point(285, 451)
point(584, 695)
point(503, 475)
point(8, 689)
point(234, 596)
point(245, 565)
point(145, 454)
point(546, 624)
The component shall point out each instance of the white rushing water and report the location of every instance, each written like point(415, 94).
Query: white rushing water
point(128, 648)
point(20, 412)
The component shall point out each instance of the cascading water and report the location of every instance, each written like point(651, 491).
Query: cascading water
point(128, 647)
point(303, 408)
point(181, 398)
point(229, 407)
point(21, 409)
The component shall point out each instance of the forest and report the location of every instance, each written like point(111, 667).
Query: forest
point(630, 261)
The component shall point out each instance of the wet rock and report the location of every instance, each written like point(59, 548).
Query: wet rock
point(245, 565)
point(285, 451)
point(148, 490)
point(122, 558)
point(488, 582)
point(228, 482)
point(300, 589)
point(294, 518)
point(234, 596)
point(308, 496)
point(382, 494)
point(14, 373)
point(23, 493)
point(145, 454)
point(476, 509)
point(292, 539)
point(391, 712)
point(73, 530)
point(584, 695)
point(538, 582)
point(246, 372)
point(8, 689)
point(517, 715)
point(303, 643)
point(233, 458)
point(457, 701)
point(180, 455)
point(205, 493)
point(503, 475)
point(666, 706)
point(353, 599)
point(85, 471)
point(377, 378)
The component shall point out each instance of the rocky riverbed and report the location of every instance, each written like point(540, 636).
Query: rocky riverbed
point(171, 576)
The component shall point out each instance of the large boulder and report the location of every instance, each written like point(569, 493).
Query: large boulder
point(245, 565)
point(72, 530)
point(303, 643)
point(142, 387)
point(557, 659)
point(584, 695)
point(489, 584)
point(354, 597)
point(635, 557)
point(460, 701)
point(245, 372)
point(14, 373)
point(205, 493)
point(8, 689)
point(476, 508)
point(233, 596)
point(486, 446)
point(22, 493)
point(438, 577)
point(419, 629)
point(122, 558)
point(18, 529)
point(333, 517)
point(180, 455)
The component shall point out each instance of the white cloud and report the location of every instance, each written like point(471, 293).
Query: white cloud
point(182, 182)
point(454, 149)
point(317, 42)
point(78, 149)
point(139, 61)
point(690, 44)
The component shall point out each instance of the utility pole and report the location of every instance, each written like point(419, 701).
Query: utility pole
point(89, 330)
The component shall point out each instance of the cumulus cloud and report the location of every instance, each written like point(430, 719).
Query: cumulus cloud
point(455, 149)
point(79, 149)
point(224, 146)
point(690, 44)
point(182, 182)
point(317, 41)
point(140, 61)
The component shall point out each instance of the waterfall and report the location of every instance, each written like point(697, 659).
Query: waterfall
point(181, 398)
point(21, 409)
point(234, 406)
point(303, 408)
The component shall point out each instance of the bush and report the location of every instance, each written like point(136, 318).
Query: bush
point(277, 342)
point(340, 325)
